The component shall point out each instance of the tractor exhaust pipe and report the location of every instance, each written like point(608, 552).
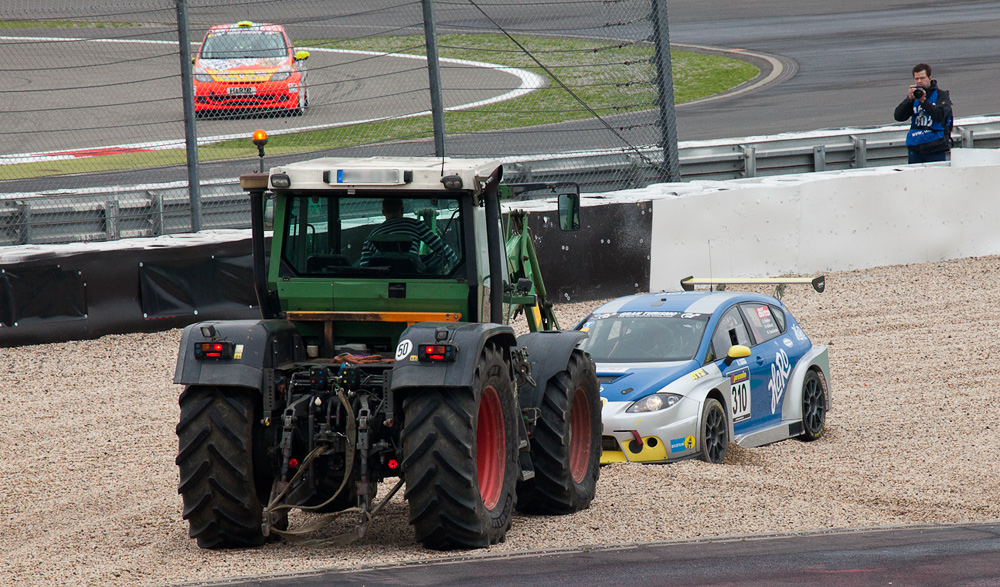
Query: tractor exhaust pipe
point(490, 194)
point(256, 184)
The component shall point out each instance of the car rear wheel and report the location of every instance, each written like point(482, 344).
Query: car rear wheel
point(813, 407)
point(714, 432)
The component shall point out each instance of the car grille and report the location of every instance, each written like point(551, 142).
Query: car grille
point(254, 100)
point(609, 443)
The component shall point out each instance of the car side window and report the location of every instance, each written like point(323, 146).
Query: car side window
point(766, 321)
point(728, 332)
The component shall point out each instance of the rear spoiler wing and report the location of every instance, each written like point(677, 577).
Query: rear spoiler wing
point(719, 283)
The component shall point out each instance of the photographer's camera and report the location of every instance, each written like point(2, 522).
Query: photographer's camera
point(918, 93)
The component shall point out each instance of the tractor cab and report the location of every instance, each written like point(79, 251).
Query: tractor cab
point(362, 248)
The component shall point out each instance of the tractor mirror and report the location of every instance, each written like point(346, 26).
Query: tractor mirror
point(268, 211)
point(569, 211)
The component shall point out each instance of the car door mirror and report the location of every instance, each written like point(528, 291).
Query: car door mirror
point(737, 351)
point(301, 55)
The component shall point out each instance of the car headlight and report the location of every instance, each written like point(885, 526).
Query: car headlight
point(282, 74)
point(655, 402)
point(200, 75)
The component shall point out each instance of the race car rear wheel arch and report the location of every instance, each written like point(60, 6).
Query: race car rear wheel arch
point(814, 406)
point(713, 432)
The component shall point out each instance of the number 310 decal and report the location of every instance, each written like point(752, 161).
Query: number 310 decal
point(739, 389)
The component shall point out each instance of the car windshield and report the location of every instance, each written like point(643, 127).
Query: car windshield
point(373, 236)
point(244, 45)
point(637, 337)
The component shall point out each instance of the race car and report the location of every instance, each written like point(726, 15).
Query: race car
point(685, 373)
point(249, 67)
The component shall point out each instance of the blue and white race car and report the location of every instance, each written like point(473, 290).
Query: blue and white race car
point(683, 374)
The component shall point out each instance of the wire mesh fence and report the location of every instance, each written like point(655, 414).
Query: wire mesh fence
point(95, 92)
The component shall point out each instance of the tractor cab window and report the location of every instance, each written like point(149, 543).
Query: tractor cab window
point(390, 237)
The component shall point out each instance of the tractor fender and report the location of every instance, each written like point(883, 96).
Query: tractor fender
point(469, 340)
point(259, 344)
point(548, 354)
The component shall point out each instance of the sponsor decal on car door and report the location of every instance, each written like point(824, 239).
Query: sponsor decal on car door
point(769, 373)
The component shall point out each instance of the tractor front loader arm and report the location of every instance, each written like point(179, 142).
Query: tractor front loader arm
point(522, 264)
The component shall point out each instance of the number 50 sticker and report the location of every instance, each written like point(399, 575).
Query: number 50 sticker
point(404, 348)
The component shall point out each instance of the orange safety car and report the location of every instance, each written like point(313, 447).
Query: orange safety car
point(248, 68)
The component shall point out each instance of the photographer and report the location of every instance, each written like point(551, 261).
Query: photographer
point(929, 110)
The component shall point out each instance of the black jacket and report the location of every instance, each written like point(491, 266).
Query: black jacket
point(940, 114)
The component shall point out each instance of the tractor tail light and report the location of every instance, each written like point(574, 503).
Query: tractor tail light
point(213, 350)
point(436, 352)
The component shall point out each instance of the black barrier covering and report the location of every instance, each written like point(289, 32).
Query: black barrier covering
point(608, 257)
point(115, 302)
point(88, 294)
point(195, 287)
point(32, 294)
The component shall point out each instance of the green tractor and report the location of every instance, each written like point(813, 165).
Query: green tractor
point(385, 351)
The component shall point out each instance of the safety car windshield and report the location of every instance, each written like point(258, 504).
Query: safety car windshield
point(244, 45)
point(638, 337)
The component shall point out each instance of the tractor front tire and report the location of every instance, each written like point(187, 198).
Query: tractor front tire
point(460, 458)
point(566, 443)
point(222, 498)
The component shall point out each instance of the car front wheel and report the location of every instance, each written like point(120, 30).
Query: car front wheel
point(714, 432)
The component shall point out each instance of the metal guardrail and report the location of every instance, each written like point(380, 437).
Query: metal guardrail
point(153, 210)
point(792, 153)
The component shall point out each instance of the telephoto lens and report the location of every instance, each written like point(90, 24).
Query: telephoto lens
point(918, 93)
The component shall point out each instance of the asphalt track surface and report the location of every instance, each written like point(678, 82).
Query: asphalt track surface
point(833, 65)
point(909, 556)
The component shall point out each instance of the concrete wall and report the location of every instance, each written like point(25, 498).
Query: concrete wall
point(819, 222)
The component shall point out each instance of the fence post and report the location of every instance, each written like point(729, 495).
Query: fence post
point(190, 134)
point(966, 137)
point(860, 152)
point(434, 72)
point(112, 219)
point(749, 160)
point(155, 213)
point(819, 158)
point(665, 83)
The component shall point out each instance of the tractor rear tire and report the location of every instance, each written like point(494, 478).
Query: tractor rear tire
point(460, 458)
point(223, 502)
point(566, 443)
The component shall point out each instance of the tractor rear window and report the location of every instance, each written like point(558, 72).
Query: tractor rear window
point(390, 237)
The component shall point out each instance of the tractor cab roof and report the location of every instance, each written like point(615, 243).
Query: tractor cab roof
point(384, 173)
